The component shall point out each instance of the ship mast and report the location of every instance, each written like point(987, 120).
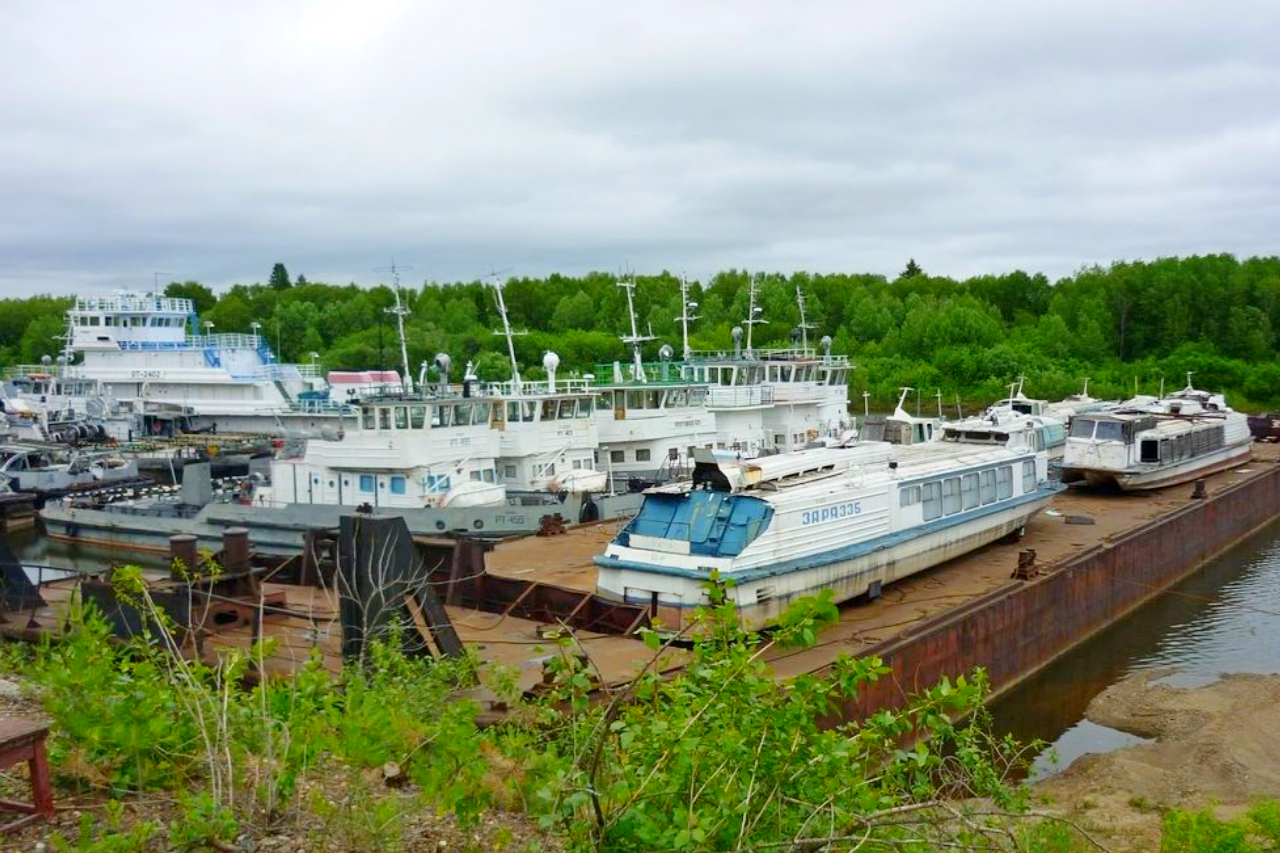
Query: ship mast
point(804, 326)
point(497, 285)
point(635, 339)
point(685, 307)
point(752, 310)
point(400, 311)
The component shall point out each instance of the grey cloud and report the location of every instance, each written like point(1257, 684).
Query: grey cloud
point(211, 140)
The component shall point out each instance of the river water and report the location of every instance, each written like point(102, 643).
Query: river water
point(1225, 618)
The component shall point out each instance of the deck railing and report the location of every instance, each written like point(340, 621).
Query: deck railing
point(233, 340)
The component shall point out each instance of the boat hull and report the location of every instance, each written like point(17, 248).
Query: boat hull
point(1159, 478)
point(282, 530)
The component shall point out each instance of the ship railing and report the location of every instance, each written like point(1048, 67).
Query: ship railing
point(32, 371)
point(537, 388)
point(731, 397)
point(273, 372)
point(321, 407)
point(652, 373)
point(768, 354)
point(233, 340)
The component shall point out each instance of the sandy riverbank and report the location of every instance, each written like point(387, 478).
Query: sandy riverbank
point(1215, 745)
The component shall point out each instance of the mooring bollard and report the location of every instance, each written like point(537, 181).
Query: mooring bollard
point(1026, 564)
point(1199, 492)
point(183, 550)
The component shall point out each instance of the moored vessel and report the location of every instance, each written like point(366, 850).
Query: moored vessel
point(848, 519)
point(1148, 445)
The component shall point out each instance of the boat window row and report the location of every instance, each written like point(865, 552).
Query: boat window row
point(1185, 446)
point(131, 322)
point(1097, 430)
point(418, 417)
point(951, 495)
point(754, 374)
point(528, 411)
point(651, 398)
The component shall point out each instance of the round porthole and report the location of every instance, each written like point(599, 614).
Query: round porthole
point(478, 524)
point(439, 525)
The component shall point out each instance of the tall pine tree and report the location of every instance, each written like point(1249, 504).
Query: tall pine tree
point(280, 278)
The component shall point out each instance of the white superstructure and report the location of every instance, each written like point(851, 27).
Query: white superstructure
point(773, 400)
point(154, 353)
point(748, 401)
point(1148, 444)
point(848, 519)
point(400, 452)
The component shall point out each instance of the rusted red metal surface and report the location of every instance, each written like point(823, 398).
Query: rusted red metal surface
point(1015, 630)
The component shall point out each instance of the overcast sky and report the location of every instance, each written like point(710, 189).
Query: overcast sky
point(209, 140)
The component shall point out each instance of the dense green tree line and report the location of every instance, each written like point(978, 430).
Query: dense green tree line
point(1133, 321)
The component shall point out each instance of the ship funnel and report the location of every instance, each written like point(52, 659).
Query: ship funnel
point(551, 361)
point(737, 341)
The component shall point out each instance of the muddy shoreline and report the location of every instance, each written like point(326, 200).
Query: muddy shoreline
point(1215, 746)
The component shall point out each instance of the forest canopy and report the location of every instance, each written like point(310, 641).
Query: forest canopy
point(1139, 321)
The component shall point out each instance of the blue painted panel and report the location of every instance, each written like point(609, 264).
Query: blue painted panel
point(716, 524)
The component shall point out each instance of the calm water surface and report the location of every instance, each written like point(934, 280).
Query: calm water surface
point(31, 547)
point(1226, 618)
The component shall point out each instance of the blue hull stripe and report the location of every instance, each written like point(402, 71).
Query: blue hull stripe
point(837, 555)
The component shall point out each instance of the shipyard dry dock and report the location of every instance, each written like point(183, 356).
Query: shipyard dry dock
point(1010, 608)
point(1097, 556)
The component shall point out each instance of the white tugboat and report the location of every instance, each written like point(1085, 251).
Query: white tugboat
point(153, 353)
point(403, 451)
point(1157, 443)
point(547, 438)
point(773, 400)
point(848, 519)
point(650, 416)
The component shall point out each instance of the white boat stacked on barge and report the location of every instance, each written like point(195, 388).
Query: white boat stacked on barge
point(1150, 445)
point(849, 519)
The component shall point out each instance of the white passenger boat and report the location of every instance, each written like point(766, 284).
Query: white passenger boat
point(1008, 428)
point(1151, 444)
point(1076, 404)
point(849, 519)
